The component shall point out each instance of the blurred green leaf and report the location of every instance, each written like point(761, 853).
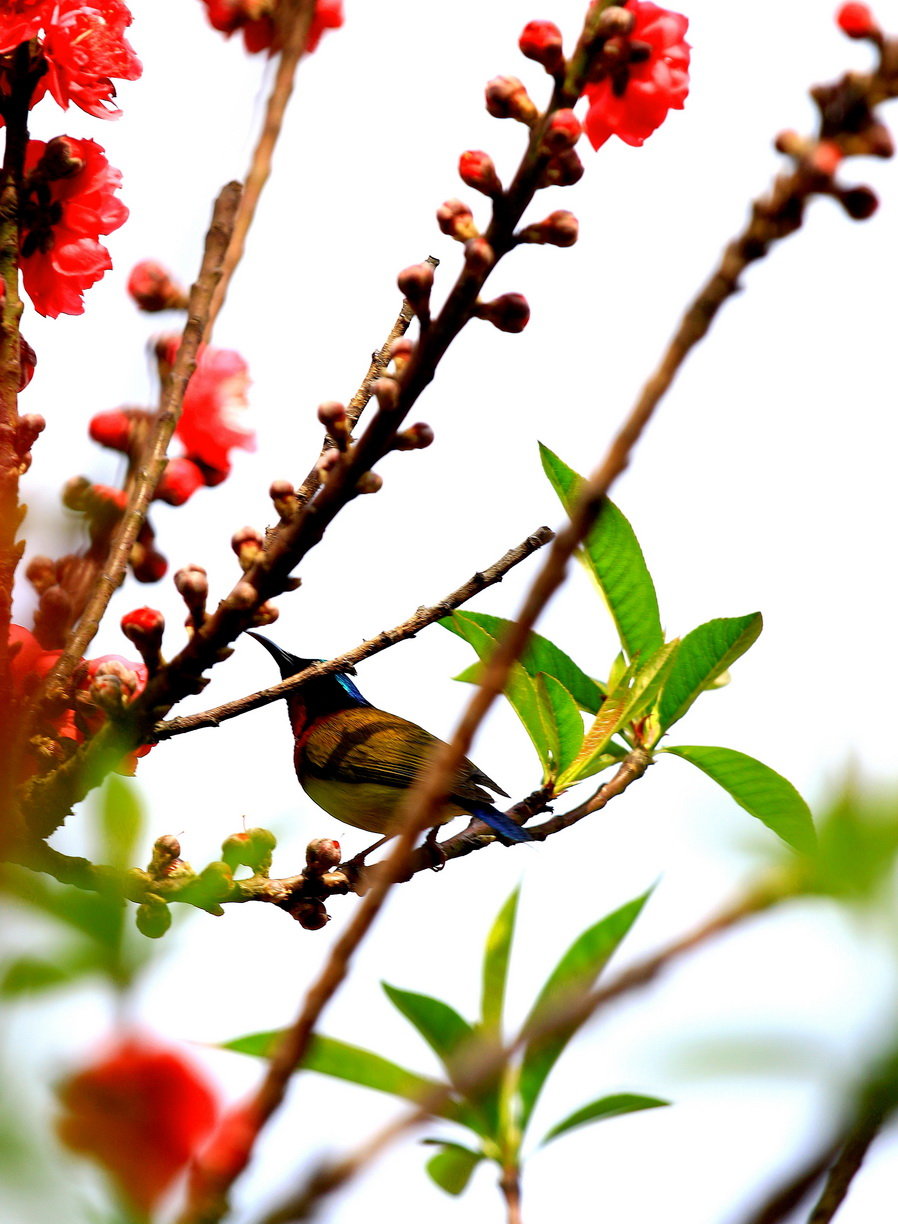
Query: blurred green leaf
point(451, 1168)
point(704, 655)
point(605, 1107)
point(520, 689)
point(540, 655)
point(495, 964)
point(120, 821)
point(340, 1060)
point(613, 555)
point(857, 846)
point(566, 719)
point(759, 789)
point(575, 972)
point(34, 974)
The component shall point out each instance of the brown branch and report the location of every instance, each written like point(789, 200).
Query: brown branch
point(483, 1067)
point(848, 1161)
point(153, 460)
point(388, 637)
point(294, 21)
point(356, 406)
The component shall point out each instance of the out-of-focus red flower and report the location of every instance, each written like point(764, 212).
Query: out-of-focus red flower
point(153, 287)
point(140, 1110)
point(255, 20)
point(209, 427)
point(857, 21)
point(639, 77)
point(68, 200)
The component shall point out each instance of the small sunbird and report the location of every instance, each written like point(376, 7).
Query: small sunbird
point(357, 761)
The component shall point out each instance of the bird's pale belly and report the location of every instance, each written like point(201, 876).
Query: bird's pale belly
point(366, 805)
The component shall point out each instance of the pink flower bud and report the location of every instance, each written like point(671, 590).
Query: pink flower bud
point(456, 219)
point(559, 229)
point(145, 627)
point(152, 287)
point(322, 854)
point(112, 429)
point(541, 41)
point(387, 392)
point(509, 313)
point(417, 437)
point(563, 170)
point(479, 256)
point(333, 417)
point(283, 495)
point(477, 170)
point(369, 482)
point(857, 21)
point(401, 352)
point(415, 283)
point(247, 543)
point(825, 158)
point(507, 98)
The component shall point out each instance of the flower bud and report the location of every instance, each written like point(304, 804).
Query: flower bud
point(369, 482)
point(309, 914)
point(559, 229)
point(417, 437)
point(509, 313)
point(107, 692)
point(507, 98)
point(283, 495)
point(247, 543)
point(456, 219)
point(265, 614)
point(825, 158)
point(29, 428)
point(387, 392)
point(41, 573)
point(145, 627)
point(615, 22)
point(401, 353)
point(477, 170)
point(563, 170)
point(192, 585)
point(179, 482)
point(153, 918)
point(562, 132)
point(859, 202)
point(857, 21)
point(327, 462)
point(153, 289)
point(147, 565)
point(322, 854)
point(27, 363)
point(334, 419)
point(112, 429)
point(243, 596)
point(415, 283)
point(166, 849)
point(479, 256)
point(541, 41)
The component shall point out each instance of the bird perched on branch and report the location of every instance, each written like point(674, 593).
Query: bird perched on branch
point(357, 761)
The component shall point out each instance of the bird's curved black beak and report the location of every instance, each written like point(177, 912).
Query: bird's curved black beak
point(289, 664)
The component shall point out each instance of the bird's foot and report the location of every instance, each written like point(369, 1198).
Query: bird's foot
point(434, 850)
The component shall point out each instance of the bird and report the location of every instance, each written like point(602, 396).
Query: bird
point(357, 762)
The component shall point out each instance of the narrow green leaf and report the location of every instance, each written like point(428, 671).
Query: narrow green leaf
point(32, 975)
point(540, 655)
point(605, 1107)
point(613, 555)
point(340, 1060)
point(759, 789)
point(120, 822)
point(495, 964)
point(520, 689)
point(451, 1168)
point(566, 718)
point(704, 655)
point(575, 972)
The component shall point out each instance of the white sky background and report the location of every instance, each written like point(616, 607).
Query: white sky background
point(766, 482)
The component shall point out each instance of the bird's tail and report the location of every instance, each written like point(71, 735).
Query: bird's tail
point(508, 829)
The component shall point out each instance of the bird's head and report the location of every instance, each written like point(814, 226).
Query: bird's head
point(321, 695)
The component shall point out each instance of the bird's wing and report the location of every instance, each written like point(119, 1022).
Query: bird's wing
point(367, 745)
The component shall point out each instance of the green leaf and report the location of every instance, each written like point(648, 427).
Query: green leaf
point(340, 1060)
point(520, 689)
point(575, 972)
point(759, 789)
point(120, 822)
point(704, 655)
point(566, 719)
point(451, 1168)
point(613, 555)
point(495, 964)
point(605, 1107)
point(540, 655)
point(31, 975)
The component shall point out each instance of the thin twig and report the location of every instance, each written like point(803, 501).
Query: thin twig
point(152, 464)
point(294, 22)
point(388, 637)
point(846, 1164)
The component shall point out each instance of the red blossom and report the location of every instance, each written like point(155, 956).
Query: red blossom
point(216, 396)
point(140, 1110)
point(68, 200)
point(83, 46)
point(857, 21)
point(638, 77)
point(255, 19)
